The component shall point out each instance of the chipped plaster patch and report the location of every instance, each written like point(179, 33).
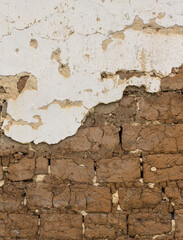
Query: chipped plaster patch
point(63, 69)
point(33, 43)
point(70, 58)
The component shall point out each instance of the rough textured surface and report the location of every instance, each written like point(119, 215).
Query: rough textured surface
point(120, 177)
point(50, 91)
point(64, 67)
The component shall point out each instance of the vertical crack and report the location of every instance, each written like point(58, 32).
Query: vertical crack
point(173, 223)
point(120, 135)
point(141, 166)
point(164, 197)
point(95, 167)
point(127, 226)
point(49, 165)
point(83, 225)
point(25, 199)
point(39, 224)
point(95, 174)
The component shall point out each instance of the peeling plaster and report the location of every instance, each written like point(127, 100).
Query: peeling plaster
point(63, 47)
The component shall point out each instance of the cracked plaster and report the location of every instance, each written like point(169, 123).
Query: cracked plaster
point(90, 38)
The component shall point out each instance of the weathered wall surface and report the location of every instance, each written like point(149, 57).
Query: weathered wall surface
point(91, 111)
point(72, 52)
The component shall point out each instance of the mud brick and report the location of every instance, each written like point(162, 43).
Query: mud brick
point(8, 146)
point(174, 194)
point(39, 196)
point(90, 199)
point(11, 198)
point(5, 160)
point(164, 107)
point(179, 224)
point(110, 139)
point(23, 170)
point(102, 226)
point(10, 203)
point(141, 197)
point(95, 135)
point(124, 169)
point(61, 226)
point(163, 167)
point(1, 173)
point(155, 108)
point(151, 138)
point(172, 83)
point(176, 107)
point(61, 196)
point(4, 231)
point(23, 225)
point(130, 136)
point(80, 170)
point(80, 142)
point(149, 224)
point(41, 165)
point(118, 112)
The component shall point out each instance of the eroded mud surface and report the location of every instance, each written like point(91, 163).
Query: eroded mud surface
point(120, 177)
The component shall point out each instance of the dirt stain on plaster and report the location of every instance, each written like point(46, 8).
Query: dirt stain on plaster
point(11, 122)
point(105, 43)
point(118, 35)
point(63, 69)
point(138, 25)
point(113, 36)
point(33, 43)
point(143, 58)
point(63, 104)
point(161, 15)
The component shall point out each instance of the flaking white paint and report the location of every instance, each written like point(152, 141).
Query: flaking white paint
point(79, 28)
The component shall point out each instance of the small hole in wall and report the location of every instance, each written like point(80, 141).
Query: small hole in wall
point(103, 75)
point(83, 219)
point(127, 216)
point(163, 190)
point(141, 174)
point(173, 215)
point(49, 166)
point(120, 135)
point(39, 224)
point(49, 162)
point(95, 166)
point(141, 166)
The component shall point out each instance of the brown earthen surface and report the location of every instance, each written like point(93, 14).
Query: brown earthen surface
point(120, 177)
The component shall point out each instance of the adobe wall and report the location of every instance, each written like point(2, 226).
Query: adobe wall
point(91, 109)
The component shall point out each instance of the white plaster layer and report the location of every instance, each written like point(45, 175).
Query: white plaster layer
point(67, 44)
